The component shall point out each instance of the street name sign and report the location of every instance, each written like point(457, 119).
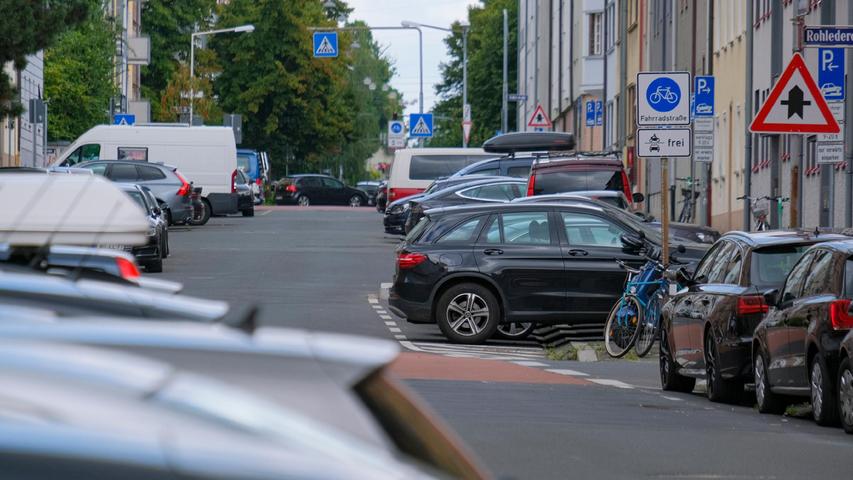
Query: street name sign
point(539, 119)
point(830, 73)
point(124, 119)
point(516, 97)
point(396, 134)
point(795, 105)
point(663, 142)
point(420, 125)
point(325, 44)
point(663, 98)
point(828, 36)
point(704, 96)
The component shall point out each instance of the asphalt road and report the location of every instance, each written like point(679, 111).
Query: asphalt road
point(524, 415)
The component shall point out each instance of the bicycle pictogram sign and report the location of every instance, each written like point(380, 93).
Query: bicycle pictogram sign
point(663, 98)
point(663, 94)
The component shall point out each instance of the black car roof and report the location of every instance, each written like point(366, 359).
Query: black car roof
point(500, 207)
point(843, 246)
point(780, 237)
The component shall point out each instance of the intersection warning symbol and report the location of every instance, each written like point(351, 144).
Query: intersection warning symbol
point(420, 125)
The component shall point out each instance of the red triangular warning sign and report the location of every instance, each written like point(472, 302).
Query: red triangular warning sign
point(539, 118)
point(466, 130)
point(795, 105)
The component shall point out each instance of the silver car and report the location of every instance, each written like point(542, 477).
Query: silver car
point(169, 187)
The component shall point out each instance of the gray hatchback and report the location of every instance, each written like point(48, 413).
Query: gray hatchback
point(169, 187)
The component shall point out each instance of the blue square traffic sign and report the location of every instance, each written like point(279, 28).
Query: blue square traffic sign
point(704, 96)
point(599, 111)
point(124, 119)
point(325, 44)
point(830, 73)
point(420, 125)
point(590, 113)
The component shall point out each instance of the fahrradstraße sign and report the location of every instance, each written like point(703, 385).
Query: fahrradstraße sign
point(663, 98)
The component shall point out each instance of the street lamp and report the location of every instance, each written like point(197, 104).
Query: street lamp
point(465, 26)
point(241, 29)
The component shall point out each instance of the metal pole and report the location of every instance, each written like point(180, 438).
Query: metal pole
point(421, 55)
point(664, 216)
point(44, 138)
point(464, 78)
point(192, 75)
point(747, 156)
point(848, 134)
point(505, 100)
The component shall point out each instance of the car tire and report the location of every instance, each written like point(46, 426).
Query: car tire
point(303, 201)
point(457, 323)
point(719, 389)
point(822, 392)
point(205, 214)
point(249, 212)
point(514, 331)
point(845, 395)
point(155, 266)
point(168, 214)
point(766, 400)
point(164, 244)
point(670, 379)
point(355, 201)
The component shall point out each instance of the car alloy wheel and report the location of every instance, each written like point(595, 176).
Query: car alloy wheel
point(823, 403)
point(355, 201)
point(768, 402)
point(467, 314)
point(845, 395)
point(670, 379)
point(303, 201)
point(515, 330)
point(718, 388)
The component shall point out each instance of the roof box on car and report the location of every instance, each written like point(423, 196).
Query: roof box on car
point(40, 210)
point(530, 142)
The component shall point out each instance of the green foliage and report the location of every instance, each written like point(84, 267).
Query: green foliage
point(27, 27)
point(485, 75)
point(170, 23)
point(78, 76)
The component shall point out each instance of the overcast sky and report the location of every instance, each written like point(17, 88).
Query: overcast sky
point(403, 45)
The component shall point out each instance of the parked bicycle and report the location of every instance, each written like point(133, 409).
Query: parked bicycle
point(759, 212)
point(689, 192)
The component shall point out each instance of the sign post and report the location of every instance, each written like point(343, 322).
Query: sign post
point(396, 134)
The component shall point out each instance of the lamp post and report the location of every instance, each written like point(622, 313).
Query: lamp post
point(465, 27)
point(240, 29)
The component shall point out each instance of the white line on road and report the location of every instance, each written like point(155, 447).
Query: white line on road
point(610, 383)
point(265, 213)
point(674, 399)
point(394, 330)
point(391, 324)
point(373, 301)
point(529, 363)
point(410, 346)
point(382, 312)
point(385, 317)
point(400, 337)
point(564, 371)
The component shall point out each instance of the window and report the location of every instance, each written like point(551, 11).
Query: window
point(430, 167)
point(84, 153)
point(612, 30)
point(502, 192)
point(486, 171)
point(630, 110)
point(732, 275)
point(589, 230)
point(137, 197)
point(150, 173)
point(123, 173)
point(794, 283)
point(575, 180)
point(493, 233)
point(717, 271)
point(462, 233)
point(98, 168)
point(848, 278)
point(331, 183)
point(310, 182)
point(595, 34)
point(519, 172)
point(820, 278)
point(704, 268)
point(528, 228)
point(133, 153)
point(770, 265)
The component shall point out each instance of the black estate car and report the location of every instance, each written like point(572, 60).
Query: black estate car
point(845, 376)
point(797, 345)
point(311, 189)
point(707, 327)
point(469, 268)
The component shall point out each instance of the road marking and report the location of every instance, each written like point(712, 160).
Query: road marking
point(377, 307)
point(400, 337)
point(674, 399)
point(263, 214)
point(610, 383)
point(391, 324)
point(410, 346)
point(373, 301)
point(382, 312)
point(529, 363)
point(385, 317)
point(564, 371)
point(394, 330)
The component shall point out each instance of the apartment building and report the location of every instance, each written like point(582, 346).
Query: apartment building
point(132, 52)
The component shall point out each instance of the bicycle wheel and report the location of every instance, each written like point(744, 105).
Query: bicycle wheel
point(648, 330)
point(621, 330)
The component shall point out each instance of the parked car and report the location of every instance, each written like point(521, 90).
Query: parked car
point(614, 198)
point(489, 190)
point(470, 268)
point(579, 172)
point(507, 166)
point(370, 188)
point(382, 196)
point(256, 167)
point(844, 387)
point(207, 156)
point(246, 194)
point(707, 327)
point(398, 211)
point(169, 186)
point(150, 255)
point(315, 189)
point(796, 351)
point(415, 168)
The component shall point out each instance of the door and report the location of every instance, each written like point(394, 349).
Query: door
point(719, 307)
point(520, 252)
point(779, 321)
point(334, 191)
point(312, 188)
point(122, 172)
point(594, 281)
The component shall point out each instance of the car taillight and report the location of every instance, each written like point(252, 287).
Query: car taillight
point(626, 186)
point(410, 260)
point(392, 194)
point(186, 188)
point(234, 181)
point(127, 269)
point(530, 183)
point(750, 305)
point(839, 315)
point(291, 188)
point(259, 181)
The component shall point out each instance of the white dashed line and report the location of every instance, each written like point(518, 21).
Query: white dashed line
point(674, 399)
point(377, 307)
point(373, 301)
point(610, 383)
point(382, 312)
point(564, 371)
point(391, 324)
point(394, 330)
point(386, 317)
point(263, 214)
point(400, 337)
point(530, 363)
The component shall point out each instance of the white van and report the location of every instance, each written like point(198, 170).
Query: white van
point(207, 156)
point(414, 169)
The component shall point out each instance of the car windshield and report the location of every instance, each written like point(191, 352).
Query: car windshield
point(137, 197)
point(770, 265)
point(577, 180)
point(416, 231)
point(615, 201)
point(848, 279)
point(244, 161)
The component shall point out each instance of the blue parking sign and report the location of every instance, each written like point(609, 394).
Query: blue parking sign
point(599, 111)
point(830, 73)
point(590, 114)
point(703, 96)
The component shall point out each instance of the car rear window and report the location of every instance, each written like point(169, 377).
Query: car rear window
point(848, 279)
point(577, 180)
point(244, 162)
point(430, 167)
point(770, 265)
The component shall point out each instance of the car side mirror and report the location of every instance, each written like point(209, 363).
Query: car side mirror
point(771, 297)
point(631, 243)
point(683, 277)
point(157, 211)
point(638, 197)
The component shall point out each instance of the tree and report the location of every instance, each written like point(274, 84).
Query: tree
point(78, 76)
point(485, 71)
point(169, 24)
point(27, 27)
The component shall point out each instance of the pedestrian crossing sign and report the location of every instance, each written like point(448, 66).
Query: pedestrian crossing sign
point(420, 125)
point(325, 44)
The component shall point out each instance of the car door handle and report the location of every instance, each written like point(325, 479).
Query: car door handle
point(576, 252)
point(493, 251)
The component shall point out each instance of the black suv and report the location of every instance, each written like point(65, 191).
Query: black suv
point(470, 268)
point(796, 347)
point(706, 328)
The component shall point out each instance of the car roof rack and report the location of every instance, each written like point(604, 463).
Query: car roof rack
point(511, 143)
